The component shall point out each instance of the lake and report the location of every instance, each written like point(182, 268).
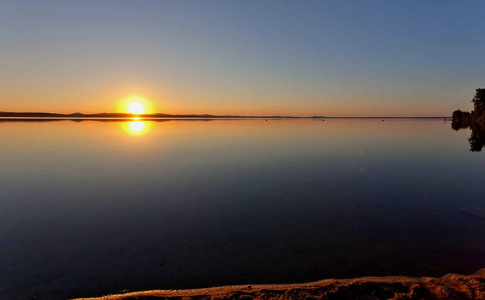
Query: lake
point(89, 208)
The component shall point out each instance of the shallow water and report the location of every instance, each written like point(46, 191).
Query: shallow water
point(90, 208)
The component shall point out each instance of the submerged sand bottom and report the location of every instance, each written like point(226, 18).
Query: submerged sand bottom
point(451, 286)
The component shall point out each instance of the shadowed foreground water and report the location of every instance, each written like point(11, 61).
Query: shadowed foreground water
point(90, 208)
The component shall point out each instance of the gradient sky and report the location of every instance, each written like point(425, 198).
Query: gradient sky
point(302, 58)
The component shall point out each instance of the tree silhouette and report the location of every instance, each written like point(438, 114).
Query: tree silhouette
point(479, 103)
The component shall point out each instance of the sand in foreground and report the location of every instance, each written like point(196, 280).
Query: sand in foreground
point(451, 286)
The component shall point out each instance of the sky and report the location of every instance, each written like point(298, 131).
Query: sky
point(251, 57)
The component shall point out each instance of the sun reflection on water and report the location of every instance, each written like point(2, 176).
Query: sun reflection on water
point(136, 127)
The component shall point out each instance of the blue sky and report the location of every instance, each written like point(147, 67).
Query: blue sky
point(335, 58)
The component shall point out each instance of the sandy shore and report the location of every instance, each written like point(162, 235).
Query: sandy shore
point(451, 286)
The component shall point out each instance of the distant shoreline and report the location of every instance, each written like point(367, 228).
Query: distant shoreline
point(129, 116)
point(207, 119)
point(161, 116)
point(27, 116)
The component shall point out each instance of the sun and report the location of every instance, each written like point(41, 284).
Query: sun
point(135, 105)
point(136, 108)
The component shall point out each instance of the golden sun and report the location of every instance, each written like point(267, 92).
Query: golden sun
point(136, 108)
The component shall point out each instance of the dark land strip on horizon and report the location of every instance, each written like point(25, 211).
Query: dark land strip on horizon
point(156, 116)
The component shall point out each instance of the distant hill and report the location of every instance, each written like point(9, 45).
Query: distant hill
point(123, 115)
point(105, 115)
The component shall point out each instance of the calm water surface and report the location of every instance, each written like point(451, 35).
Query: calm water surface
point(90, 208)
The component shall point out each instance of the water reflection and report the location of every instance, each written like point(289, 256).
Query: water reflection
point(136, 127)
point(197, 203)
point(477, 135)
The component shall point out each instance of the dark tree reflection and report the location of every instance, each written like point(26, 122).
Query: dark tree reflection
point(477, 136)
point(475, 120)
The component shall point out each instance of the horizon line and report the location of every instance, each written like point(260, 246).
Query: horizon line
point(206, 115)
